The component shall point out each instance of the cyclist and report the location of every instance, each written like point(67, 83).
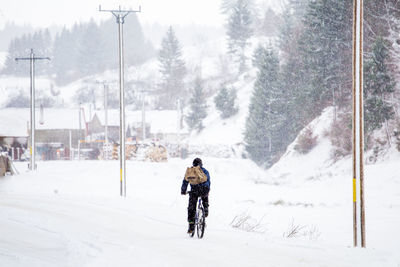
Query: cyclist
point(198, 190)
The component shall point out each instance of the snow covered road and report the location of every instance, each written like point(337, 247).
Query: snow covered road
point(71, 214)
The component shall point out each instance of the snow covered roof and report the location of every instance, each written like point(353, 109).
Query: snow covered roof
point(59, 119)
point(161, 121)
point(14, 121)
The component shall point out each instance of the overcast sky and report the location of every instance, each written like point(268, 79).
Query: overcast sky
point(44, 13)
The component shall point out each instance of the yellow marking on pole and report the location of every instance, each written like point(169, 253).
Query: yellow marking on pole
point(354, 190)
point(121, 174)
point(30, 150)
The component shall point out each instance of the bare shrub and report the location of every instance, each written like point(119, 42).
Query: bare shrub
point(245, 222)
point(279, 202)
point(296, 230)
point(293, 230)
point(306, 141)
point(311, 232)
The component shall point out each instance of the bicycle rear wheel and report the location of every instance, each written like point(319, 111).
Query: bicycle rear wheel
point(201, 224)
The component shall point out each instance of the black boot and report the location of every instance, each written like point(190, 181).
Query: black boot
point(191, 228)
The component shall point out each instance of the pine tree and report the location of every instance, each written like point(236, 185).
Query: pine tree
point(264, 125)
point(325, 49)
point(41, 43)
point(225, 102)
point(66, 51)
point(91, 50)
point(61, 65)
point(239, 30)
point(227, 7)
point(270, 23)
point(198, 107)
point(10, 66)
point(173, 70)
point(378, 85)
point(21, 47)
point(295, 82)
point(137, 50)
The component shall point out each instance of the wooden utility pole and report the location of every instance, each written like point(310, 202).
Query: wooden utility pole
point(361, 147)
point(358, 119)
point(354, 133)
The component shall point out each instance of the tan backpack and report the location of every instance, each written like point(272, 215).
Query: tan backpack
point(194, 175)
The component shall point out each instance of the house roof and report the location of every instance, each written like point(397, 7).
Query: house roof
point(160, 121)
point(14, 121)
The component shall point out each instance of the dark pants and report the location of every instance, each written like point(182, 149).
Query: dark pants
point(200, 191)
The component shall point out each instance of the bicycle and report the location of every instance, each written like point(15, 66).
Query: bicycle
point(200, 219)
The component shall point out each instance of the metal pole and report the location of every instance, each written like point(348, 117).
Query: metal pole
point(143, 118)
point(79, 149)
point(106, 118)
point(32, 149)
point(70, 145)
point(79, 134)
point(106, 143)
point(361, 147)
point(354, 132)
point(120, 20)
point(120, 16)
point(32, 59)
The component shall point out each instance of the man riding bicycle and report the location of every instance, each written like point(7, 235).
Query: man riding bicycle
point(197, 190)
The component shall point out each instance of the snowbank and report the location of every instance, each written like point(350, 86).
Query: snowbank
point(295, 166)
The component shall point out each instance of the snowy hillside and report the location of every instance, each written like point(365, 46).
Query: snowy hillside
point(295, 167)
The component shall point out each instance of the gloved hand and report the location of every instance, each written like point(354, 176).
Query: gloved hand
point(183, 193)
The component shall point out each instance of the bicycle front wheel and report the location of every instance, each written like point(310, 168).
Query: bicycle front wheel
point(201, 225)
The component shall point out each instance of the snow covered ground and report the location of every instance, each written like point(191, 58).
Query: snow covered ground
point(69, 213)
